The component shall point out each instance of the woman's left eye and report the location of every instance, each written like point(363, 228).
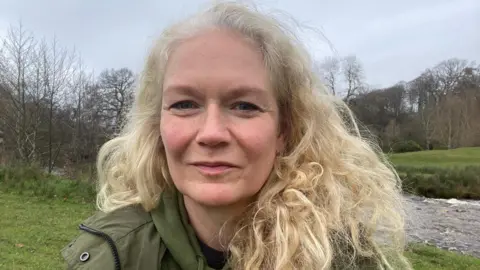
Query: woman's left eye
point(245, 106)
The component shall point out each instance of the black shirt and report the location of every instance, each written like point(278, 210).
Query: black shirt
point(215, 259)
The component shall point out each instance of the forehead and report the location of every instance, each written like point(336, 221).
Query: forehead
point(217, 59)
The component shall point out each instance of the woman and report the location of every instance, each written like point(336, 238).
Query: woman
point(235, 157)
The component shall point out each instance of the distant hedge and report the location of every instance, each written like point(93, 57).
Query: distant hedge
point(436, 182)
point(33, 181)
point(406, 146)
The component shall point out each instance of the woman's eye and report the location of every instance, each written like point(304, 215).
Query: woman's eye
point(184, 105)
point(245, 106)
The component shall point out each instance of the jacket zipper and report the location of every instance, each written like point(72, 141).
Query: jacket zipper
point(110, 242)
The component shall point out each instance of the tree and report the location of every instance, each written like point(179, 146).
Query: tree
point(450, 74)
point(444, 100)
point(57, 66)
point(395, 107)
point(117, 89)
point(423, 90)
point(453, 111)
point(330, 71)
point(16, 71)
point(382, 111)
point(77, 98)
point(353, 76)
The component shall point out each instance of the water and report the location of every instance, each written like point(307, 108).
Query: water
point(450, 224)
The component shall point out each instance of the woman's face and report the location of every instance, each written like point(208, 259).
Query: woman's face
point(219, 120)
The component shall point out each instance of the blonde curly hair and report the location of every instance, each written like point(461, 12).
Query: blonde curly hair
point(331, 198)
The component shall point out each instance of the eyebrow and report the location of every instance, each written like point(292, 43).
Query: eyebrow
point(231, 93)
point(183, 90)
point(243, 91)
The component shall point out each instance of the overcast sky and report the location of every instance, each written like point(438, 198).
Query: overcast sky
point(395, 40)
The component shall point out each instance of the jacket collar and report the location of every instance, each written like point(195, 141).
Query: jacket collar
point(171, 220)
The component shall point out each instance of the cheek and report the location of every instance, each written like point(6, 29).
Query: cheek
point(175, 135)
point(260, 140)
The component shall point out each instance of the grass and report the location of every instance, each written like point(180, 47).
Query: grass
point(440, 173)
point(460, 183)
point(34, 230)
point(461, 157)
point(32, 181)
point(425, 257)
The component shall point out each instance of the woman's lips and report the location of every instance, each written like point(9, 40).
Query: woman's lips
point(213, 169)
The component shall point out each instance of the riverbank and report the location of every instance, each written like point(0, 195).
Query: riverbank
point(446, 174)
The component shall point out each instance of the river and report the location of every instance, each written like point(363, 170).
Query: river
point(450, 224)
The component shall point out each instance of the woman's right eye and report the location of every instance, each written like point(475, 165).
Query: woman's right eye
point(184, 105)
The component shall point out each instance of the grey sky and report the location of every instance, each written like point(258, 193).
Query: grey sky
point(395, 40)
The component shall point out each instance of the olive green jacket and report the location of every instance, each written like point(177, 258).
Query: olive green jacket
point(130, 238)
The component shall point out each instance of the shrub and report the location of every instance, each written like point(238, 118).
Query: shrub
point(34, 181)
point(460, 183)
point(406, 146)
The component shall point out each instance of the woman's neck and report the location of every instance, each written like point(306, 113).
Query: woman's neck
point(213, 225)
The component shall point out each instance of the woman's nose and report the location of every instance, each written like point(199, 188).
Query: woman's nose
point(213, 127)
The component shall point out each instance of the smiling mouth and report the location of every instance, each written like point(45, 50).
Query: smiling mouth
point(213, 169)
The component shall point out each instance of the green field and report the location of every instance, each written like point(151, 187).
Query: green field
point(33, 231)
point(426, 257)
point(440, 173)
point(460, 157)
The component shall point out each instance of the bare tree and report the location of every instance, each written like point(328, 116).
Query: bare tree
point(57, 71)
point(117, 89)
point(395, 98)
point(471, 109)
point(449, 74)
point(447, 116)
point(451, 81)
point(78, 84)
point(330, 71)
point(353, 76)
point(17, 60)
point(94, 124)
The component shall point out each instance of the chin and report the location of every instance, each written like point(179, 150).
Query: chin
point(218, 195)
